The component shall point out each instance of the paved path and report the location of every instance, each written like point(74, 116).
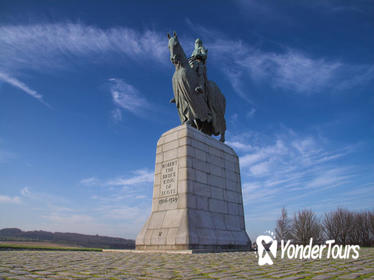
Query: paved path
point(113, 265)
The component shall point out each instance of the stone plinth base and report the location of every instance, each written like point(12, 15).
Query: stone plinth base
point(197, 197)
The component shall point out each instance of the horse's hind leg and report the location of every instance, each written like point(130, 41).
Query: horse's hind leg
point(222, 139)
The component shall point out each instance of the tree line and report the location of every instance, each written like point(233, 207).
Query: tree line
point(344, 226)
point(66, 238)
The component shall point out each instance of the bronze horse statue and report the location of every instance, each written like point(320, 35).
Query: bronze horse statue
point(204, 111)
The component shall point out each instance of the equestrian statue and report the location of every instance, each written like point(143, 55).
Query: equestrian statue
point(200, 102)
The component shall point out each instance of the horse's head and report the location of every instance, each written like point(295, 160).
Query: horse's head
point(176, 51)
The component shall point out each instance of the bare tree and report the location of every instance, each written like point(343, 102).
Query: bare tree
point(283, 228)
point(330, 228)
point(371, 222)
point(365, 216)
point(355, 235)
point(306, 225)
point(338, 225)
point(344, 226)
point(361, 229)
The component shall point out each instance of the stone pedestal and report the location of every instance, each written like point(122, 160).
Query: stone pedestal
point(197, 196)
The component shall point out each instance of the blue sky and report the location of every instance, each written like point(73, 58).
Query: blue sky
point(84, 91)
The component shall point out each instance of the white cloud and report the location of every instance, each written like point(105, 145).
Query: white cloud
point(20, 85)
point(310, 172)
point(117, 115)
point(250, 159)
point(261, 153)
point(296, 71)
point(126, 96)
point(56, 46)
point(9, 199)
point(250, 187)
point(126, 192)
point(251, 113)
point(260, 169)
point(288, 69)
point(90, 181)
point(239, 145)
point(42, 46)
point(330, 178)
point(39, 198)
point(361, 76)
point(236, 77)
point(140, 176)
point(363, 191)
point(303, 145)
point(292, 166)
point(25, 191)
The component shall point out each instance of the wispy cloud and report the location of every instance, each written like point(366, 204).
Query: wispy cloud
point(291, 70)
point(139, 176)
point(239, 145)
point(21, 45)
point(235, 76)
point(9, 199)
point(25, 191)
point(251, 113)
point(116, 115)
point(362, 7)
point(295, 170)
point(330, 178)
point(51, 200)
point(127, 97)
point(263, 153)
point(20, 85)
point(127, 199)
point(361, 76)
point(292, 165)
point(288, 69)
point(90, 181)
point(294, 70)
point(44, 47)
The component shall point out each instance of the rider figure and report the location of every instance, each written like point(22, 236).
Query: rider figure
point(198, 60)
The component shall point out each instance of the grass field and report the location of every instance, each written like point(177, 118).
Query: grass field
point(20, 245)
